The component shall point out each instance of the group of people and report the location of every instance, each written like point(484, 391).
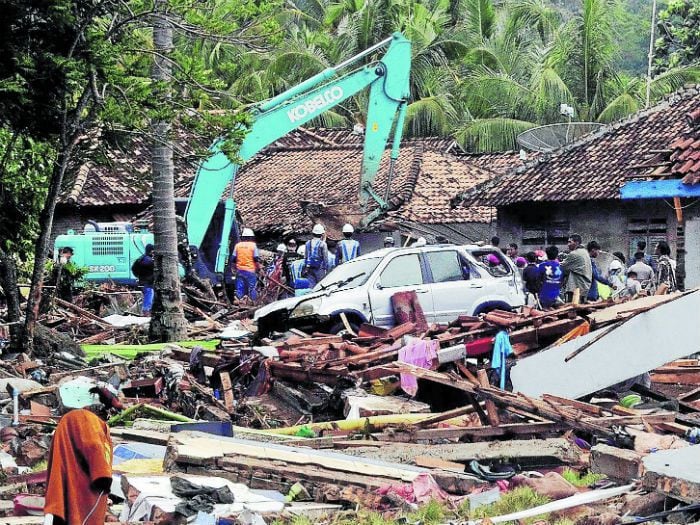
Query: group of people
point(295, 268)
point(551, 277)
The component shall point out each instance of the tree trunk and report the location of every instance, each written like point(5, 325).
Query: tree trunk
point(41, 248)
point(8, 281)
point(168, 321)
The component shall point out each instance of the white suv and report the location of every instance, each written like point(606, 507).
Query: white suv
point(449, 281)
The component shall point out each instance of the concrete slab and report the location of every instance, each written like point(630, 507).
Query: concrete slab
point(675, 473)
point(638, 345)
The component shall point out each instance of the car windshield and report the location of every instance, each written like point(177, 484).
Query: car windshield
point(492, 261)
point(349, 275)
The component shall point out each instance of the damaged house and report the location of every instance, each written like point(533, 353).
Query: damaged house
point(308, 176)
point(577, 189)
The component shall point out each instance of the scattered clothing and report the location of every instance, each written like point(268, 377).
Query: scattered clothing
point(551, 274)
point(501, 350)
point(79, 469)
point(578, 271)
point(417, 352)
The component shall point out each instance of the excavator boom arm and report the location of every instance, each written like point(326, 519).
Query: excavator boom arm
point(295, 107)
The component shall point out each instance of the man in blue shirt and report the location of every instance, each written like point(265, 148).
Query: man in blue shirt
point(552, 275)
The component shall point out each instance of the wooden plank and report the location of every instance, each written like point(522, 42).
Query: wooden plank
point(672, 427)
point(683, 378)
point(228, 391)
point(430, 462)
point(444, 416)
point(474, 433)
point(585, 407)
point(491, 410)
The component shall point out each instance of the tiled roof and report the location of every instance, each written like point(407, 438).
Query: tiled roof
point(120, 171)
point(313, 175)
point(301, 187)
point(442, 175)
point(685, 159)
point(321, 137)
point(597, 165)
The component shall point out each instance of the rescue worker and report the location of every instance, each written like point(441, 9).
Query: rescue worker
point(246, 261)
point(348, 248)
point(389, 242)
point(316, 256)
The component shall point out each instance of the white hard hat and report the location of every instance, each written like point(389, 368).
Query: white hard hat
point(389, 240)
point(348, 228)
point(281, 247)
point(247, 232)
point(318, 229)
point(615, 265)
point(420, 242)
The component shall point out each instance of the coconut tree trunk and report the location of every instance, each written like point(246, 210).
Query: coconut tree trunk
point(168, 321)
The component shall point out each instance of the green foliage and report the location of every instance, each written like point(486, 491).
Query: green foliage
point(520, 498)
point(25, 165)
point(678, 41)
point(430, 513)
point(581, 480)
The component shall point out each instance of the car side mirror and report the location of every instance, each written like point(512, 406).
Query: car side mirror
point(378, 285)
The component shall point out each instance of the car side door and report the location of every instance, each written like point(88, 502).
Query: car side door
point(402, 273)
point(456, 285)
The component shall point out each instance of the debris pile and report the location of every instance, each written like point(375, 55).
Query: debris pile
point(392, 421)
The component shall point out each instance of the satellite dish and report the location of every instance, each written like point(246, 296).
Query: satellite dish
point(554, 136)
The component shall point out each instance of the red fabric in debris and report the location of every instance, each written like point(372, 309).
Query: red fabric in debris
point(407, 309)
point(421, 490)
point(80, 461)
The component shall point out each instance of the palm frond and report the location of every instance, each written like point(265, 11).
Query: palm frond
point(492, 134)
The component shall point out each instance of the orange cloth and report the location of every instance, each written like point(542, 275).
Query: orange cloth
point(80, 456)
point(245, 253)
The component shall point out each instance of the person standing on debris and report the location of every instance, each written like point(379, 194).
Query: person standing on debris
point(578, 271)
point(316, 256)
point(389, 242)
point(144, 270)
point(246, 261)
point(348, 248)
point(648, 259)
point(79, 470)
point(532, 279)
point(666, 275)
point(645, 273)
point(551, 275)
point(64, 275)
point(593, 293)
